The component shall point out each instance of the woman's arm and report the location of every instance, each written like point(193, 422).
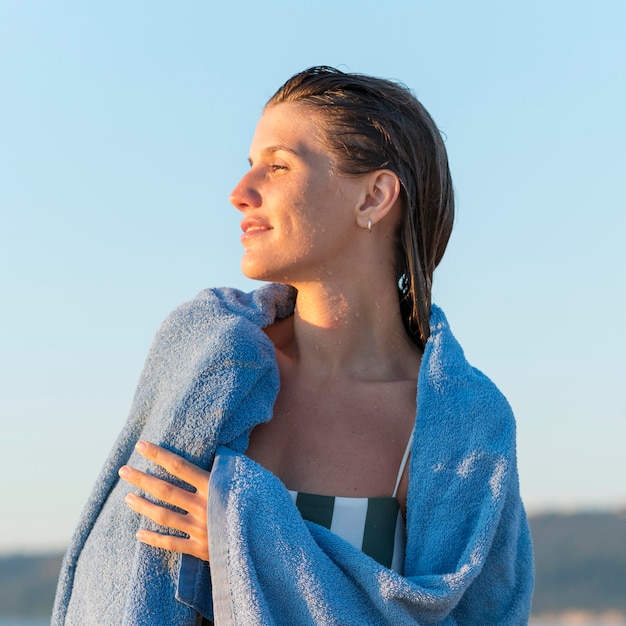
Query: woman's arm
point(192, 521)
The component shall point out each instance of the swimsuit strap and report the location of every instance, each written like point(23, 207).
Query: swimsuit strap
point(405, 458)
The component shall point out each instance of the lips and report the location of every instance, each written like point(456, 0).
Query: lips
point(252, 227)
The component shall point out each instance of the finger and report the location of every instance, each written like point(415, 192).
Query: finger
point(174, 464)
point(160, 489)
point(159, 514)
point(174, 544)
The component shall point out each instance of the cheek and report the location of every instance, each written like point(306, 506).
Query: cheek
point(315, 201)
point(309, 223)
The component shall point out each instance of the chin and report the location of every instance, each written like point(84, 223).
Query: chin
point(254, 272)
point(276, 269)
point(265, 276)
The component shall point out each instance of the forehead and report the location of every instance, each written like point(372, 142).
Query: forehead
point(293, 126)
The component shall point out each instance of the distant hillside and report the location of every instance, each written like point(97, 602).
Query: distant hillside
point(27, 585)
point(580, 563)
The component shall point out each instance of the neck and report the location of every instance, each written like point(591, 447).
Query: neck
point(346, 332)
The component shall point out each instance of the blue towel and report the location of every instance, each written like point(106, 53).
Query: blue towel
point(211, 376)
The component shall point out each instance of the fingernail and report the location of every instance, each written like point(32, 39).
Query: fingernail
point(141, 446)
point(131, 497)
point(123, 471)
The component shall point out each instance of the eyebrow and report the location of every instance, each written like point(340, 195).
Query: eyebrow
point(276, 148)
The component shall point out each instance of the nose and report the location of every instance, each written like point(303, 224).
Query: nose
point(246, 195)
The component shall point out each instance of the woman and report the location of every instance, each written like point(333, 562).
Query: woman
point(321, 383)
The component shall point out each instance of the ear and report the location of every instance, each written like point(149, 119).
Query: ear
point(383, 191)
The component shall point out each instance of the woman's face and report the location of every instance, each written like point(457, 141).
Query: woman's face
point(298, 214)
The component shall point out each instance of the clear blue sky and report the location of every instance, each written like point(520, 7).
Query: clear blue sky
point(124, 125)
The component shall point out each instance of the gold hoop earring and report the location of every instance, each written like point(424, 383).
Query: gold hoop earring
point(369, 224)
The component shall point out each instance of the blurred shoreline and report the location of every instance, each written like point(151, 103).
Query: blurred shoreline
point(576, 617)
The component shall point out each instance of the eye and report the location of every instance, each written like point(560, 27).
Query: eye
point(277, 167)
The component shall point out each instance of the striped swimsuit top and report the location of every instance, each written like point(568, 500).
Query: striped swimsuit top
point(373, 525)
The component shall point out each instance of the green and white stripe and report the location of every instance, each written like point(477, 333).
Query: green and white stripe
point(372, 525)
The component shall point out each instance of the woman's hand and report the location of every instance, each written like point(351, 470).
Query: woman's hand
point(193, 522)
